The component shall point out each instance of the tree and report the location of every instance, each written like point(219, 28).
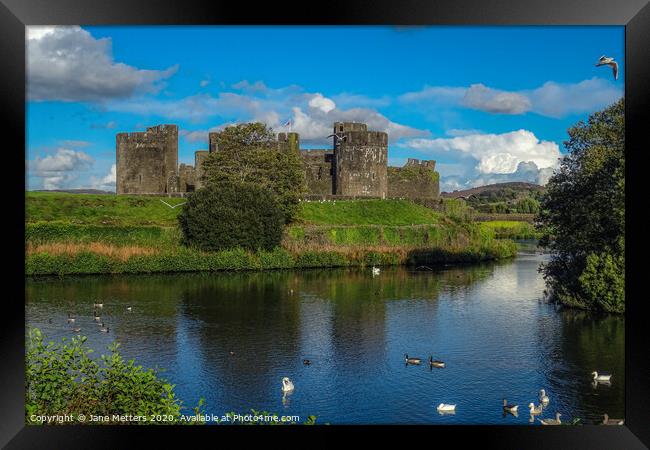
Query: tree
point(228, 215)
point(249, 153)
point(582, 215)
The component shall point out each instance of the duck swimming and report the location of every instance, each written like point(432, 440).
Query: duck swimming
point(436, 362)
point(534, 411)
point(306, 362)
point(412, 360)
point(509, 408)
point(444, 407)
point(287, 385)
point(543, 397)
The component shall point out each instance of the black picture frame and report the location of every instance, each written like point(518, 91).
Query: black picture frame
point(633, 14)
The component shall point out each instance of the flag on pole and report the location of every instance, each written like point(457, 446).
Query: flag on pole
point(287, 124)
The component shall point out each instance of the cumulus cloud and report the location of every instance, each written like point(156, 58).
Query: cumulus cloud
point(67, 63)
point(551, 99)
point(494, 153)
point(107, 182)
point(60, 169)
point(311, 114)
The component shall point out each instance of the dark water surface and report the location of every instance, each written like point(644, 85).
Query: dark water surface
point(488, 323)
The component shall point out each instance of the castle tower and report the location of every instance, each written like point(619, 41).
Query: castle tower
point(199, 157)
point(289, 141)
point(147, 162)
point(361, 160)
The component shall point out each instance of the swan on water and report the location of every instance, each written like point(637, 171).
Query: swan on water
point(543, 397)
point(444, 407)
point(601, 376)
point(287, 385)
point(608, 421)
point(375, 271)
point(555, 421)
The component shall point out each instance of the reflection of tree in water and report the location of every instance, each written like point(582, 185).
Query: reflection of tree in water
point(584, 342)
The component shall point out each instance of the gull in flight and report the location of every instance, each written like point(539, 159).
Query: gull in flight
point(607, 61)
point(337, 138)
point(172, 207)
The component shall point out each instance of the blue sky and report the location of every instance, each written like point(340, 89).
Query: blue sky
point(489, 104)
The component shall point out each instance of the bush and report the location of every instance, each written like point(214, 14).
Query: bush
point(225, 216)
point(63, 379)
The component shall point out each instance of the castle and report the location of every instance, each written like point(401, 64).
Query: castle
point(356, 166)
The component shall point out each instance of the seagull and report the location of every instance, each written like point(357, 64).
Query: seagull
point(608, 61)
point(337, 138)
point(172, 207)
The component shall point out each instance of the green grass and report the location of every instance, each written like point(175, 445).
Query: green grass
point(510, 229)
point(88, 209)
point(367, 212)
point(78, 234)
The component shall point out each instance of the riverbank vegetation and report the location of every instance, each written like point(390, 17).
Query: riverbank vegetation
point(80, 244)
point(582, 216)
point(63, 379)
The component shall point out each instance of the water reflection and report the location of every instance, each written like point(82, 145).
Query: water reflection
point(232, 337)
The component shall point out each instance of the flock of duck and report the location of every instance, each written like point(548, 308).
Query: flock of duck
point(535, 410)
point(103, 328)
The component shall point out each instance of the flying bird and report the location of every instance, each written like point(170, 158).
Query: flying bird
point(337, 138)
point(607, 61)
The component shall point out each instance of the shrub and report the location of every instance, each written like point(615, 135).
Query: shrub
point(225, 216)
point(63, 379)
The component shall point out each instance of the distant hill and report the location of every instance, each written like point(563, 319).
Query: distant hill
point(78, 191)
point(515, 186)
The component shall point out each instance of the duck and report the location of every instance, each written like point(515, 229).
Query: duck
point(601, 376)
point(104, 329)
point(608, 421)
point(129, 308)
point(70, 318)
point(97, 317)
point(375, 270)
point(306, 362)
point(509, 408)
point(412, 360)
point(76, 330)
point(446, 407)
point(436, 362)
point(98, 305)
point(535, 410)
point(231, 353)
point(287, 385)
point(555, 421)
point(543, 398)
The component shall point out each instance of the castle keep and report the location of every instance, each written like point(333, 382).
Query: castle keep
point(356, 166)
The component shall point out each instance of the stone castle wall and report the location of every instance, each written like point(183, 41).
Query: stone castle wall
point(357, 166)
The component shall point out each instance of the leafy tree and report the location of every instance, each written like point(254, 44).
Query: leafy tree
point(249, 153)
point(232, 214)
point(64, 379)
point(582, 216)
point(527, 205)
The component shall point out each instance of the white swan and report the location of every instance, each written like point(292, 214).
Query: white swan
point(543, 397)
point(601, 376)
point(534, 411)
point(446, 407)
point(608, 421)
point(375, 271)
point(287, 385)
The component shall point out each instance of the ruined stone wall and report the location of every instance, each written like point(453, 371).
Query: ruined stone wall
point(199, 157)
point(361, 161)
point(417, 179)
point(186, 178)
point(319, 171)
point(146, 162)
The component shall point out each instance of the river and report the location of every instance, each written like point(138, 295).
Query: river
point(488, 322)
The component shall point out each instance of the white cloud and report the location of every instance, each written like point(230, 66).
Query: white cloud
point(322, 103)
point(481, 97)
point(204, 83)
point(551, 99)
point(494, 153)
point(67, 63)
point(60, 169)
point(107, 182)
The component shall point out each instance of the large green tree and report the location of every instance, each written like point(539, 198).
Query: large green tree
point(582, 215)
point(249, 153)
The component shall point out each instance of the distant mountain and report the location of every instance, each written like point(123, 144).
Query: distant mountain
point(514, 186)
point(78, 191)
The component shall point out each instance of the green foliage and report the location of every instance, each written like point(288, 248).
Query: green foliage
point(582, 215)
point(527, 205)
point(367, 212)
point(64, 379)
point(249, 154)
point(512, 229)
point(228, 215)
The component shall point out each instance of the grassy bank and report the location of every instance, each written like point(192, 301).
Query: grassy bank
point(84, 234)
point(510, 229)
